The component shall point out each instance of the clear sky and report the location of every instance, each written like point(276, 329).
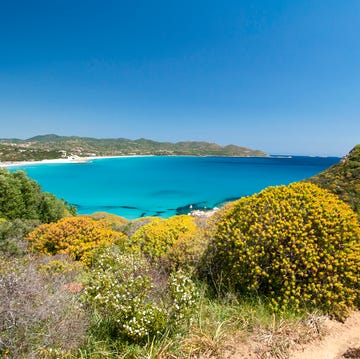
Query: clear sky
point(282, 76)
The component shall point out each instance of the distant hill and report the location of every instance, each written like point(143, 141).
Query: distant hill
point(53, 146)
point(343, 179)
point(45, 138)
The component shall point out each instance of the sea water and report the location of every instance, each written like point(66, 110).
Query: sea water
point(165, 186)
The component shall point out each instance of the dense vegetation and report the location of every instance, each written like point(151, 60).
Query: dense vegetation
point(101, 286)
point(21, 197)
point(53, 146)
point(343, 179)
point(13, 152)
point(23, 206)
point(296, 245)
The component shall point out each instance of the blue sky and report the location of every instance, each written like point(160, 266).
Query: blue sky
point(278, 75)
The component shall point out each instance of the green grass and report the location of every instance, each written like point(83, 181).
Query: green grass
point(218, 327)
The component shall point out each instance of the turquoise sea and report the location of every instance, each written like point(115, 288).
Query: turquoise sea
point(165, 186)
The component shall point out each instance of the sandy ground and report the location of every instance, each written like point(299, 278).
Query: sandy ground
point(340, 337)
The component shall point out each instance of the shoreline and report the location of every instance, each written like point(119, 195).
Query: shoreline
point(79, 160)
point(82, 160)
point(72, 160)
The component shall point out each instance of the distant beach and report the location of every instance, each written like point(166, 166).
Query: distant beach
point(73, 159)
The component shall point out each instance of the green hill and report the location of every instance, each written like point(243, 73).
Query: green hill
point(343, 179)
point(54, 146)
point(45, 138)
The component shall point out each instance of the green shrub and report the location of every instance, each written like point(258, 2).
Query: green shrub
point(133, 302)
point(297, 245)
point(12, 234)
point(21, 197)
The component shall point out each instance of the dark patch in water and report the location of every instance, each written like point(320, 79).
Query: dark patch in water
point(190, 207)
point(78, 206)
point(230, 199)
point(158, 213)
point(143, 214)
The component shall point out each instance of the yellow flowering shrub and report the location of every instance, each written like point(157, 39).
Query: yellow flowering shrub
point(75, 236)
point(298, 245)
point(175, 241)
point(187, 250)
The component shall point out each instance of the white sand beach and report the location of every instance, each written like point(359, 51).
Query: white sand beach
point(72, 159)
point(53, 161)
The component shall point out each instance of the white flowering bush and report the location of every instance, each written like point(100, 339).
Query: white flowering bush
point(121, 288)
point(183, 298)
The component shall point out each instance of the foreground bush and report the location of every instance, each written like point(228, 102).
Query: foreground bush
point(176, 242)
point(297, 245)
point(135, 302)
point(37, 314)
point(76, 236)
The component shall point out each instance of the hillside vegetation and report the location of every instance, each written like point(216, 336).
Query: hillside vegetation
point(53, 146)
point(343, 179)
point(257, 277)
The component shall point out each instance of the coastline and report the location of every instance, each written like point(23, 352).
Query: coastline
point(79, 160)
point(74, 160)
point(82, 160)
